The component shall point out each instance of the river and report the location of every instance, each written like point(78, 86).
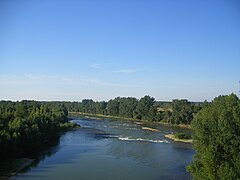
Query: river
point(113, 149)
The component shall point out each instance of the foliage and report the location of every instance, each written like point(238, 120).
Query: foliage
point(67, 125)
point(28, 126)
point(101, 107)
point(127, 107)
point(181, 135)
point(113, 107)
point(175, 112)
point(88, 106)
point(182, 112)
point(217, 140)
point(145, 109)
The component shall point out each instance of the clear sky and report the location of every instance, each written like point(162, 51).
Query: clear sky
point(100, 49)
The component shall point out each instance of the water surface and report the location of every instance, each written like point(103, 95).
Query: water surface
point(113, 149)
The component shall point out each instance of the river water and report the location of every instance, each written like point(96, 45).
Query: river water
point(113, 149)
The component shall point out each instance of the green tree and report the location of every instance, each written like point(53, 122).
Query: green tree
point(29, 126)
point(101, 107)
point(113, 107)
point(88, 106)
point(217, 140)
point(182, 112)
point(145, 109)
point(127, 107)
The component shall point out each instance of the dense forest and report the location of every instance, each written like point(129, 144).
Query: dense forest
point(175, 112)
point(29, 126)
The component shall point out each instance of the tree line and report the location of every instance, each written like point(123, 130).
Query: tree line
point(146, 108)
point(29, 126)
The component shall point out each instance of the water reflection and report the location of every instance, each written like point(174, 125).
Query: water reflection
point(101, 147)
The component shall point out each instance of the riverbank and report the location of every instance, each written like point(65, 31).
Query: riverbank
point(13, 167)
point(137, 121)
point(171, 136)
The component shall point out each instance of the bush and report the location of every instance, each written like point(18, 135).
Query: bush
point(181, 135)
point(67, 125)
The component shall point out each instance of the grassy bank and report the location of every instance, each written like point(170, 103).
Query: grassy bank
point(171, 136)
point(99, 116)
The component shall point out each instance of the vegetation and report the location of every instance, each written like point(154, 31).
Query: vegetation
point(182, 112)
point(127, 107)
point(217, 140)
point(12, 166)
point(177, 139)
point(175, 112)
point(145, 109)
point(29, 126)
point(182, 135)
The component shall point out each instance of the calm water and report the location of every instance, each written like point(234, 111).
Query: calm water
point(113, 149)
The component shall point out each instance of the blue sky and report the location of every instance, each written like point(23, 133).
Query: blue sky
point(100, 49)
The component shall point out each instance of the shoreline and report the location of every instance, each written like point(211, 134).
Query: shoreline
point(171, 136)
point(137, 121)
point(14, 166)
